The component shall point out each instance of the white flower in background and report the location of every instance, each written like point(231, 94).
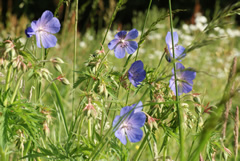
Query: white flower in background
point(83, 44)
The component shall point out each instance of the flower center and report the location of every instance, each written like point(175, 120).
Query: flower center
point(123, 43)
point(126, 126)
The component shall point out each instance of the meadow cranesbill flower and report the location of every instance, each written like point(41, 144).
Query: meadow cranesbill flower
point(129, 122)
point(122, 44)
point(178, 49)
point(44, 28)
point(185, 79)
point(136, 73)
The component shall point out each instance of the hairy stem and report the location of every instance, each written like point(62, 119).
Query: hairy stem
point(59, 99)
point(179, 112)
point(75, 56)
point(144, 24)
point(16, 88)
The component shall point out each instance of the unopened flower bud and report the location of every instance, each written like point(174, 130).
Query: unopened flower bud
point(57, 60)
point(197, 99)
point(198, 109)
point(15, 63)
point(58, 68)
point(65, 81)
point(46, 128)
point(24, 67)
point(90, 110)
point(152, 122)
point(5, 64)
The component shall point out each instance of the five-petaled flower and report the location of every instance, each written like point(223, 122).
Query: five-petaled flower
point(185, 79)
point(136, 73)
point(129, 122)
point(44, 28)
point(122, 44)
point(178, 49)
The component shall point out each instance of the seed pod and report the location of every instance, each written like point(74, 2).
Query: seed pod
point(198, 109)
point(24, 67)
point(65, 81)
point(58, 68)
point(15, 63)
point(197, 100)
point(57, 60)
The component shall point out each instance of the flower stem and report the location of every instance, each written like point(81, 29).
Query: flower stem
point(2, 155)
point(59, 99)
point(179, 112)
point(7, 83)
point(75, 56)
point(144, 24)
point(112, 18)
point(90, 129)
point(8, 78)
point(16, 88)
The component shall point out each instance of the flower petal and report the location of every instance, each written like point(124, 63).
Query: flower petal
point(134, 83)
point(52, 26)
point(136, 66)
point(189, 74)
point(121, 34)
point(179, 52)
point(115, 121)
point(38, 39)
point(172, 85)
point(186, 87)
point(113, 43)
point(138, 107)
point(45, 18)
point(169, 40)
point(48, 40)
point(119, 52)
point(134, 135)
point(29, 32)
point(137, 120)
point(179, 68)
point(120, 134)
point(133, 34)
point(34, 25)
point(131, 46)
point(125, 110)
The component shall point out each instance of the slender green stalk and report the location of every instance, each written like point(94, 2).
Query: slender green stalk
point(8, 78)
point(144, 24)
point(2, 155)
point(128, 94)
point(142, 147)
point(180, 120)
point(16, 88)
point(75, 56)
point(61, 107)
point(7, 83)
point(90, 129)
point(111, 21)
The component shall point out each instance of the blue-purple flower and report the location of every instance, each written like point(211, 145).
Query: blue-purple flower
point(44, 28)
point(178, 49)
point(122, 44)
point(185, 79)
point(136, 73)
point(129, 123)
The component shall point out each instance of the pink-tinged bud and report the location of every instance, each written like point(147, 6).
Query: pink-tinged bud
point(201, 158)
point(152, 122)
point(46, 128)
point(90, 110)
point(228, 151)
